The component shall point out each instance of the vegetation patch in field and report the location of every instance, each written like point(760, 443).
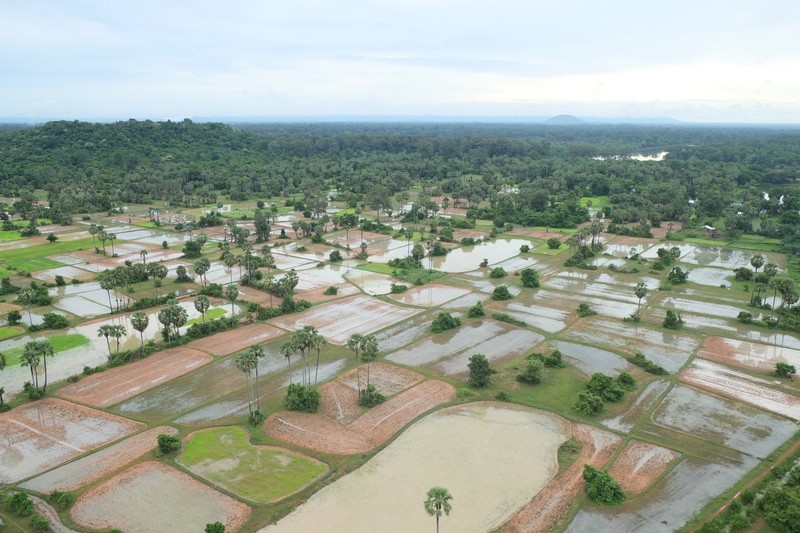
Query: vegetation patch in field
point(260, 473)
point(211, 314)
point(544, 249)
point(59, 343)
point(9, 331)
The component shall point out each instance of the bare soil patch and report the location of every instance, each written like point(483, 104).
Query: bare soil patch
point(748, 354)
point(155, 497)
point(551, 506)
point(365, 433)
point(100, 464)
point(118, 384)
point(40, 435)
point(641, 464)
point(237, 339)
point(260, 297)
point(464, 233)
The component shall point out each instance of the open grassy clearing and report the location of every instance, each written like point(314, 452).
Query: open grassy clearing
point(211, 314)
point(60, 343)
point(34, 258)
point(9, 331)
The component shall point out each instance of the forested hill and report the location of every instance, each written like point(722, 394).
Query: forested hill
point(98, 166)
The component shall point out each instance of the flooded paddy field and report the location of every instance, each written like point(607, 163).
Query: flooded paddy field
point(430, 295)
point(640, 464)
point(665, 347)
point(643, 403)
point(469, 257)
point(712, 277)
point(92, 467)
point(702, 307)
point(726, 422)
point(571, 300)
point(336, 321)
point(41, 435)
point(405, 332)
point(511, 450)
point(152, 496)
point(702, 323)
point(741, 387)
point(598, 290)
point(371, 283)
point(748, 354)
point(451, 350)
point(684, 491)
point(544, 318)
point(589, 360)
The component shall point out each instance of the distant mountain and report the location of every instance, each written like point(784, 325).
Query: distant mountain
point(564, 120)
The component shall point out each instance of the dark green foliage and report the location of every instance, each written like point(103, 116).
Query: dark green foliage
point(20, 505)
point(6, 287)
point(673, 320)
point(553, 243)
point(785, 370)
point(214, 290)
point(60, 282)
point(584, 310)
point(781, 507)
point(529, 278)
point(200, 329)
point(336, 256)
point(476, 311)
point(626, 381)
point(398, 288)
point(480, 372)
point(332, 290)
point(301, 398)
point(744, 317)
point(505, 317)
point(55, 321)
point(192, 249)
point(580, 257)
point(605, 387)
point(168, 444)
point(13, 317)
point(498, 272)
point(743, 274)
point(588, 404)
point(642, 361)
point(38, 523)
point(443, 322)
point(216, 527)
point(182, 275)
point(677, 276)
point(468, 241)
point(370, 397)
point(602, 388)
point(61, 500)
point(501, 293)
point(524, 249)
point(601, 487)
point(532, 373)
point(502, 396)
point(554, 360)
point(438, 249)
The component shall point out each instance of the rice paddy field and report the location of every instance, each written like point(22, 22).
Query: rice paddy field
point(680, 442)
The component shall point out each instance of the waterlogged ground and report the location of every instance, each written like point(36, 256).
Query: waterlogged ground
point(510, 450)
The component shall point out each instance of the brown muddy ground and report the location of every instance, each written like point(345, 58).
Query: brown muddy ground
point(640, 464)
point(237, 339)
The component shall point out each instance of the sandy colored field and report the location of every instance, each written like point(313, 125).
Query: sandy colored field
point(431, 295)
point(491, 456)
point(237, 339)
point(748, 354)
point(40, 435)
point(539, 234)
point(739, 386)
point(260, 297)
point(551, 506)
point(366, 432)
point(337, 320)
point(640, 464)
point(152, 497)
point(100, 464)
point(118, 384)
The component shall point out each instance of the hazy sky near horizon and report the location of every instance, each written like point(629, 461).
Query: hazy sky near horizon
point(706, 60)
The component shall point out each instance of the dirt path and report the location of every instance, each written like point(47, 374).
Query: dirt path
point(551, 506)
point(50, 514)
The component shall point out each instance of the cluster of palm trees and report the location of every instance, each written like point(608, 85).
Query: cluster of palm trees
point(578, 239)
point(111, 330)
point(304, 341)
point(172, 316)
point(247, 362)
point(366, 350)
point(34, 354)
point(783, 286)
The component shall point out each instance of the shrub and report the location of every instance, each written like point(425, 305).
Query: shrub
point(601, 487)
point(61, 500)
point(476, 311)
point(584, 310)
point(498, 272)
point(529, 278)
point(55, 321)
point(501, 293)
point(641, 361)
point(677, 276)
point(554, 360)
point(370, 397)
point(480, 372)
point(532, 373)
point(168, 444)
point(504, 317)
point(216, 527)
point(38, 523)
point(744, 317)
point(302, 398)
point(13, 317)
point(784, 370)
point(588, 404)
point(553, 243)
point(626, 381)
point(20, 505)
point(502, 396)
point(332, 290)
point(336, 256)
point(443, 322)
point(60, 282)
point(398, 288)
point(673, 320)
point(524, 248)
point(605, 387)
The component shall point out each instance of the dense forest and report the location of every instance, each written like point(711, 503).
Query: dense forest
point(709, 173)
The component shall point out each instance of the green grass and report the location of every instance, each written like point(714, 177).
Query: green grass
point(597, 201)
point(10, 235)
point(746, 242)
point(378, 268)
point(9, 331)
point(60, 343)
point(225, 456)
point(146, 224)
point(411, 276)
point(211, 314)
point(543, 249)
point(6, 273)
point(34, 258)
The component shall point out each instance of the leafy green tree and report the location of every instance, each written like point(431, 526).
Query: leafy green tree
point(480, 373)
point(532, 373)
point(673, 320)
point(443, 322)
point(168, 444)
point(498, 272)
point(529, 278)
point(216, 527)
point(437, 501)
point(336, 256)
point(785, 370)
point(302, 398)
point(13, 317)
point(601, 487)
point(553, 243)
point(139, 322)
point(476, 311)
point(588, 404)
point(501, 293)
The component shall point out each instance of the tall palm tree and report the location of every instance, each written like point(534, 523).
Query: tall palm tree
point(316, 341)
point(438, 502)
point(201, 304)
point(106, 331)
point(258, 353)
point(140, 321)
point(43, 350)
point(31, 358)
point(354, 345)
point(117, 331)
point(231, 293)
point(201, 267)
point(143, 254)
point(26, 297)
point(230, 262)
point(369, 351)
point(757, 261)
point(245, 362)
point(640, 291)
point(112, 237)
point(3, 363)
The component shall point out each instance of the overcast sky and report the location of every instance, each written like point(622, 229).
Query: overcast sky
point(695, 60)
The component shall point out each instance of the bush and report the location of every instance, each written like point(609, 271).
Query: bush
point(588, 404)
point(605, 387)
point(501, 293)
point(584, 310)
point(444, 322)
point(626, 381)
point(677, 276)
point(498, 272)
point(38, 523)
point(13, 317)
point(476, 311)
point(744, 317)
point(60, 282)
point(302, 398)
point(20, 505)
point(553, 243)
point(216, 527)
point(397, 288)
point(524, 248)
point(784, 370)
point(332, 290)
point(55, 321)
point(168, 444)
point(61, 500)
point(529, 278)
point(641, 361)
point(480, 372)
point(370, 397)
point(502, 396)
point(601, 487)
point(336, 256)
point(554, 360)
point(673, 320)
point(532, 373)
point(504, 317)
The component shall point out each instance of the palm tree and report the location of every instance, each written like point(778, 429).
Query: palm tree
point(43, 350)
point(201, 267)
point(106, 331)
point(3, 363)
point(112, 237)
point(354, 345)
point(640, 291)
point(231, 293)
point(30, 357)
point(286, 349)
point(230, 262)
point(165, 317)
point(245, 362)
point(117, 331)
point(316, 341)
point(757, 261)
point(179, 317)
point(438, 502)
point(143, 254)
point(409, 235)
point(93, 230)
point(201, 304)
point(258, 352)
point(27, 296)
point(369, 351)
point(103, 236)
point(140, 321)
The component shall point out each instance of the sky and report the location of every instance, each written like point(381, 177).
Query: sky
point(693, 60)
